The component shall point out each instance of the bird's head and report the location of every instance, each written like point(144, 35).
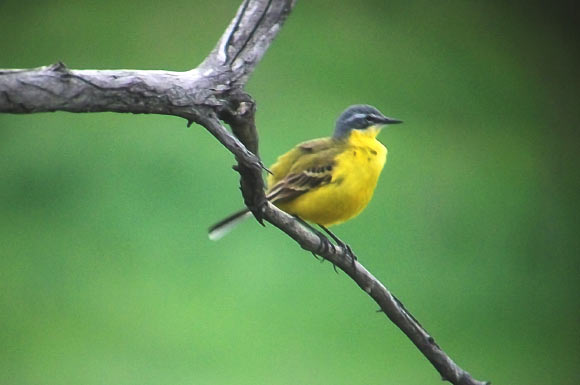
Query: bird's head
point(361, 117)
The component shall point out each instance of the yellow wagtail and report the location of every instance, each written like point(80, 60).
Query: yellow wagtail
point(326, 181)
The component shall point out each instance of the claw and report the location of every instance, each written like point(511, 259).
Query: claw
point(350, 253)
point(316, 256)
point(324, 244)
point(347, 250)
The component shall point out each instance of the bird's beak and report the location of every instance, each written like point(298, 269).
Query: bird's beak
point(386, 120)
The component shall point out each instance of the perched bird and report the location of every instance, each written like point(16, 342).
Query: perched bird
point(326, 181)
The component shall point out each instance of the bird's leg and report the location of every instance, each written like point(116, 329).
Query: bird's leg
point(325, 244)
point(339, 242)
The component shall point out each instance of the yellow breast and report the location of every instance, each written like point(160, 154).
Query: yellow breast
point(354, 178)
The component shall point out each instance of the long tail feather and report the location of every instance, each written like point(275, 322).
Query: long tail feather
point(223, 227)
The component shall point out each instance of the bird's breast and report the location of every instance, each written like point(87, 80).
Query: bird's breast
point(358, 171)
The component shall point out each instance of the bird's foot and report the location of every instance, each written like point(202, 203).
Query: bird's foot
point(317, 257)
point(324, 247)
point(324, 244)
point(347, 250)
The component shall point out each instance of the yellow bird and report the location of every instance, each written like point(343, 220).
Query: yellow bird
point(326, 181)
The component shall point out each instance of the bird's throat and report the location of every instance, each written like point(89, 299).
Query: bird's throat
point(363, 135)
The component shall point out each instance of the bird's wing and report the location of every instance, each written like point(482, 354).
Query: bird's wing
point(307, 166)
point(289, 160)
point(297, 184)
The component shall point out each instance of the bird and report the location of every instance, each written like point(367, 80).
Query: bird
point(326, 181)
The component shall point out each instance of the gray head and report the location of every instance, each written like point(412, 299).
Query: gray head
point(360, 117)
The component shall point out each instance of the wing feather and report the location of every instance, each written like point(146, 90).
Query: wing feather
point(296, 184)
point(307, 166)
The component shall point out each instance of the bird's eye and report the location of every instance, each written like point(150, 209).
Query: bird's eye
point(369, 119)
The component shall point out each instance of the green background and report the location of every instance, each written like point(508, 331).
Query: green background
point(106, 272)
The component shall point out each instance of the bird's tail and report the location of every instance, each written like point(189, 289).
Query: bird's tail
point(220, 229)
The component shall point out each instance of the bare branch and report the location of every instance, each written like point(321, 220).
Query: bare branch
point(57, 88)
point(243, 155)
point(207, 94)
point(388, 303)
point(247, 38)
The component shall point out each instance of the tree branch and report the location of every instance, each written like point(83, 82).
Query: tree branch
point(207, 94)
point(388, 303)
point(57, 88)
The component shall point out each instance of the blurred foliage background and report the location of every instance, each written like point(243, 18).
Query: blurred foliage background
point(106, 272)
